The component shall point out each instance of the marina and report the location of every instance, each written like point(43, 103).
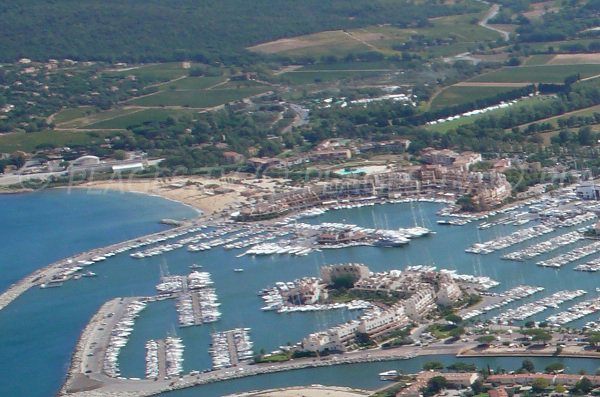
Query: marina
point(530, 309)
point(544, 246)
point(502, 299)
point(575, 312)
point(571, 256)
point(268, 270)
point(506, 241)
point(229, 348)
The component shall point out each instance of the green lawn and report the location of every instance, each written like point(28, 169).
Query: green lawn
point(198, 98)
point(28, 142)
point(459, 95)
point(538, 74)
point(139, 117)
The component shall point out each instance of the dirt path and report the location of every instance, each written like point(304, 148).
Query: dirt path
point(493, 11)
point(353, 37)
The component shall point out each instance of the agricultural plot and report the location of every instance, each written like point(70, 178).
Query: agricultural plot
point(139, 117)
point(197, 98)
point(457, 95)
point(193, 83)
point(154, 72)
point(28, 142)
point(385, 39)
point(448, 125)
point(96, 117)
point(66, 115)
point(538, 74)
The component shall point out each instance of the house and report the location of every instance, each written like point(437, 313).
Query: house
point(498, 392)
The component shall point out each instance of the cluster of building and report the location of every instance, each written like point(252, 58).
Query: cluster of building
point(424, 290)
point(445, 172)
point(455, 380)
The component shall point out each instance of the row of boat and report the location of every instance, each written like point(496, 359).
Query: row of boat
point(575, 312)
point(516, 237)
point(177, 283)
point(173, 356)
point(119, 336)
point(544, 246)
point(198, 307)
point(571, 256)
point(231, 347)
point(592, 266)
point(512, 295)
point(523, 312)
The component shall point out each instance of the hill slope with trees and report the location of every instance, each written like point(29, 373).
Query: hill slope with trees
point(202, 30)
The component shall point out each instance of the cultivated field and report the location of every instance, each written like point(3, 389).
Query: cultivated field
point(197, 98)
point(154, 72)
point(457, 95)
point(538, 74)
point(340, 43)
point(28, 142)
point(140, 116)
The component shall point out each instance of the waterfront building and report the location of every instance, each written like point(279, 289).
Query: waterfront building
point(421, 303)
point(588, 191)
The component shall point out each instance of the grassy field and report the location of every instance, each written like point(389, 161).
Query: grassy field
point(139, 117)
point(383, 39)
point(198, 98)
point(459, 95)
point(540, 59)
point(310, 77)
point(538, 74)
point(95, 118)
point(448, 125)
point(66, 115)
point(193, 83)
point(154, 72)
point(28, 142)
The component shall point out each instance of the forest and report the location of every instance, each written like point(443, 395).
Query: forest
point(205, 31)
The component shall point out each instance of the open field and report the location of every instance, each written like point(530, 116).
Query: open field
point(569, 59)
point(28, 142)
point(66, 115)
point(538, 74)
point(555, 45)
point(139, 117)
point(198, 98)
point(153, 72)
point(457, 95)
point(448, 125)
point(538, 59)
point(193, 83)
point(383, 39)
point(96, 117)
point(320, 76)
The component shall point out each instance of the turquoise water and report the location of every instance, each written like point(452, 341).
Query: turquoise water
point(351, 171)
point(43, 325)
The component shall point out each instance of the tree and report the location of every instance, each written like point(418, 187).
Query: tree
point(343, 282)
point(539, 385)
point(583, 386)
point(453, 318)
point(486, 339)
point(477, 387)
point(527, 366)
point(431, 365)
point(553, 368)
point(120, 155)
point(435, 385)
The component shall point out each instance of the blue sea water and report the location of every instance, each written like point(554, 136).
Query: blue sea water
point(40, 329)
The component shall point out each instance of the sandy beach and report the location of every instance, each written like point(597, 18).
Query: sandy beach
point(209, 195)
